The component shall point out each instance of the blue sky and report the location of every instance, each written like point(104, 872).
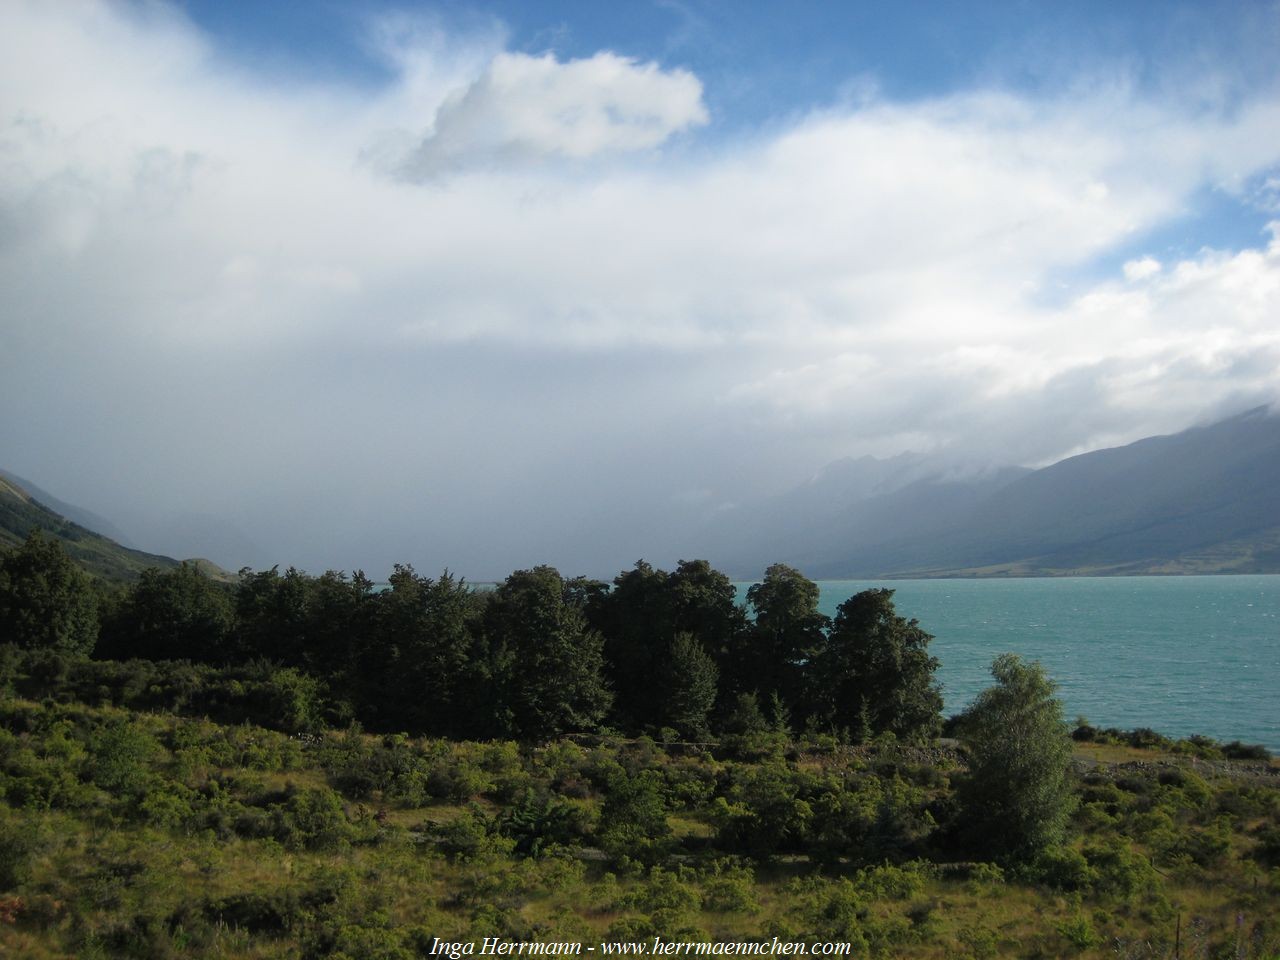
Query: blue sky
point(764, 64)
point(497, 284)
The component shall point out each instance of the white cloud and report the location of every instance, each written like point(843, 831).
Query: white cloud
point(201, 271)
point(524, 107)
point(1135, 271)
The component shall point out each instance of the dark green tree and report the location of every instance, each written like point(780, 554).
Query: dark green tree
point(874, 674)
point(338, 615)
point(177, 614)
point(688, 688)
point(705, 604)
point(640, 618)
point(1017, 796)
point(637, 619)
point(425, 669)
point(788, 631)
point(271, 615)
point(547, 663)
point(46, 601)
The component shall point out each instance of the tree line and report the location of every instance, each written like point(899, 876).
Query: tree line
point(667, 654)
point(537, 656)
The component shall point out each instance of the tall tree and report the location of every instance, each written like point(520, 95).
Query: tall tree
point(874, 673)
point(547, 661)
point(177, 614)
point(425, 660)
point(704, 603)
point(637, 620)
point(788, 631)
point(271, 615)
point(1017, 796)
point(45, 599)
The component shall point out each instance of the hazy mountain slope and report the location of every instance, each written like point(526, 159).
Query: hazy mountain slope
point(1151, 502)
point(851, 513)
point(20, 513)
point(85, 518)
point(1205, 500)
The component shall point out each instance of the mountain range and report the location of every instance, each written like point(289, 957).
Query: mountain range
point(22, 511)
point(1205, 500)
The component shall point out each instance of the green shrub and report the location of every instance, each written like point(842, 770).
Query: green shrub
point(1078, 932)
point(1118, 871)
point(633, 819)
point(1063, 869)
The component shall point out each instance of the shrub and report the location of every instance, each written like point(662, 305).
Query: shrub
point(537, 821)
point(1078, 932)
point(633, 820)
point(1118, 871)
point(1062, 868)
point(1235, 750)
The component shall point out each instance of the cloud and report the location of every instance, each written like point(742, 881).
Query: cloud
point(1141, 269)
point(212, 302)
point(531, 108)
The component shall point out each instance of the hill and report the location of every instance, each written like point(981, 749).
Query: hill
point(20, 513)
point(1200, 501)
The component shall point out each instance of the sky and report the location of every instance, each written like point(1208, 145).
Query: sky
point(485, 285)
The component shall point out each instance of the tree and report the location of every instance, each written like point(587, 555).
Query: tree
point(788, 631)
point(271, 615)
point(424, 669)
point(548, 662)
point(688, 688)
point(633, 818)
point(177, 614)
point(638, 622)
point(46, 601)
point(874, 675)
point(1017, 796)
point(705, 604)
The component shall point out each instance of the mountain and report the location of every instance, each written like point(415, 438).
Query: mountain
point(20, 513)
point(85, 518)
point(1201, 501)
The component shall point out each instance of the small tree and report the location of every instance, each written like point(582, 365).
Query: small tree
point(633, 819)
point(689, 686)
point(46, 601)
point(1017, 796)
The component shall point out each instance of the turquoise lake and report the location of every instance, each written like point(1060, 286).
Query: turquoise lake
point(1182, 655)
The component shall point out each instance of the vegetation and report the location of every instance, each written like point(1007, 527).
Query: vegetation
point(102, 558)
point(1016, 792)
point(306, 766)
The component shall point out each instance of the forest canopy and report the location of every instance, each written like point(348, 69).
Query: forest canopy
point(670, 653)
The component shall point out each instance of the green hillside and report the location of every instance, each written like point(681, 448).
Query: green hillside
point(20, 513)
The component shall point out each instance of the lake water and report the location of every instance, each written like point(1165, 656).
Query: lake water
point(1182, 655)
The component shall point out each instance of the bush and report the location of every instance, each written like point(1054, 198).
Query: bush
point(633, 820)
point(1063, 869)
point(1235, 750)
point(1118, 871)
point(1079, 932)
point(16, 850)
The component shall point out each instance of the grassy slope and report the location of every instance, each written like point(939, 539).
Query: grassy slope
point(109, 877)
point(20, 513)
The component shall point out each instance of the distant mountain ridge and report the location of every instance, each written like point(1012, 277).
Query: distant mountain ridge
point(21, 512)
point(1205, 500)
point(79, 515)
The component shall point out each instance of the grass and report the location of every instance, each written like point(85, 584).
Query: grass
point(100, 879)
